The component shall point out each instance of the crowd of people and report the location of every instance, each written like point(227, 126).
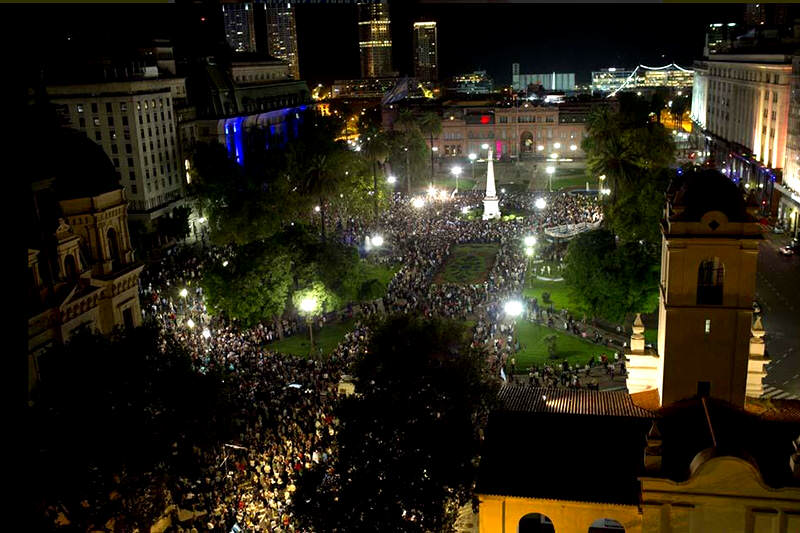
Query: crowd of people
point(286, 421)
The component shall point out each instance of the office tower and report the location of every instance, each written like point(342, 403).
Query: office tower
point(426, 51)
point(239, 20)
point(375, 39)
point(282, 35)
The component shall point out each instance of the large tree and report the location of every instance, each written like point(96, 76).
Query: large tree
point(407, 446)
point(607, 280)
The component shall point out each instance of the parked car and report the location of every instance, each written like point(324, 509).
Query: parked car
point(786, 250)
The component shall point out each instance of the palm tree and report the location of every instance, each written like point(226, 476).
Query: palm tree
point(375, 149)
point(431, 124)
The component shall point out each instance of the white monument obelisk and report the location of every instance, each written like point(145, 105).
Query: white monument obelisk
point(491, 204)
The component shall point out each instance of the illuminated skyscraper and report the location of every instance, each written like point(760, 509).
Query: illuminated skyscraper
point(426, 51)
point(282, 35)
point(375, 39)
point(239, 23)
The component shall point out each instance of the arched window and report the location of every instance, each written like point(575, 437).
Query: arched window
point(113, 248)
point(535, 523)
point(606, 525)
point(710, 279)
point(70, 268)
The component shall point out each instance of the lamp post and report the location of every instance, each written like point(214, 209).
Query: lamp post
point(550, 171)
point(408, 172)
point(600, 179)
point(456, 171)
point(472, 157)
point(308, 305)
point(434, 149)
point(530, 242)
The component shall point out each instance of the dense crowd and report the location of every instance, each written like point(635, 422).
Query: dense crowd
point(285, 421)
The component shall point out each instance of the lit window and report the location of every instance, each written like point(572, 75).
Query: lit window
point(708, 325)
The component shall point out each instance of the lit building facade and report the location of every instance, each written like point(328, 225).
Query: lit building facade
point(742, 106)
point(282, 35)
point(239, 21)
point(477, 82)
point(551, 81)
point(789, 204)
point(525, 130)
point(135, 124)
point(426, 51)
point(375, 39)
point(719, 37)
point(609, 79)
point(81, 266)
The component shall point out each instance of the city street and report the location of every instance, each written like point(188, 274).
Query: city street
point(777, 289)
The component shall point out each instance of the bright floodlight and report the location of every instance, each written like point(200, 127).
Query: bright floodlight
point(540, 147)
point(530, 241)
point(554, 155)
point(206, 333)
point(455, 171)
point(573, 147)
point(485, 146)
point(184, 293)
point(529, 252)
point(602, 177)
point(201, 220)
point(225, 263)
point(513, 308)
point(435, 149)
point(473, 156)
point(391, 180)
point(431, 191)
point(550, 170)
point(316, 208)
point(418, 202)
point(465, 209)
point(190, 323)
point(540, 203)
point(557, 145)
point(308, 304)
point(377, 240)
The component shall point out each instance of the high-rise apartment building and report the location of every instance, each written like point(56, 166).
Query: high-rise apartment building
point(135, 124)
point(426, 51)
point(282, 35)
point(239, 20)
point(375, 39)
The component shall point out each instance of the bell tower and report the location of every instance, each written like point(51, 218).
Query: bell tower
point(708, 344)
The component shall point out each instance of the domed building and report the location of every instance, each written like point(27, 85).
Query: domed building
point(81, 267)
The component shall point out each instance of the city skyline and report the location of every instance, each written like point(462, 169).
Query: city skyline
point(507, 34)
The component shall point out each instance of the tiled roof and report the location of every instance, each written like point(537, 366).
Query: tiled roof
point(523, 399)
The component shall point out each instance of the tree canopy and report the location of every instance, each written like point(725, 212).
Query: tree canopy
point(608, 280)
point(408, 440)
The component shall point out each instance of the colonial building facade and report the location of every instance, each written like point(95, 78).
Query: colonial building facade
point(82, 270)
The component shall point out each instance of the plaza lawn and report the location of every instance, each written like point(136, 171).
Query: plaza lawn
point(325, 340)
point(467, 264)
point(557, 289)
point(374, 279)
point(533, 349)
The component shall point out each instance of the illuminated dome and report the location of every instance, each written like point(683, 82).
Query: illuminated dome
point(79, 165)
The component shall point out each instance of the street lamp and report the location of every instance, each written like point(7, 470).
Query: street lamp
point(556, 145)
point(600, 179)
point(456, 171)
point(377, 241)
point(391, 180)
point(530, 240)
point(308, 305)
point(550, 171)
point(540, 203)
point(418, 203)
point(485, 146)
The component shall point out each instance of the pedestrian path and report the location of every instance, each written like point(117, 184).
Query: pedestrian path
point(774, 393)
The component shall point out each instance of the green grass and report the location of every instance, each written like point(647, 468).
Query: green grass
point(533, 349)
point(381, 273)
point(325, 339)
point(558, 293)
point(570, 182)
point(467, 264)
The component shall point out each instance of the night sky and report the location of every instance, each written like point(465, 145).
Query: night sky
point(541, 37)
